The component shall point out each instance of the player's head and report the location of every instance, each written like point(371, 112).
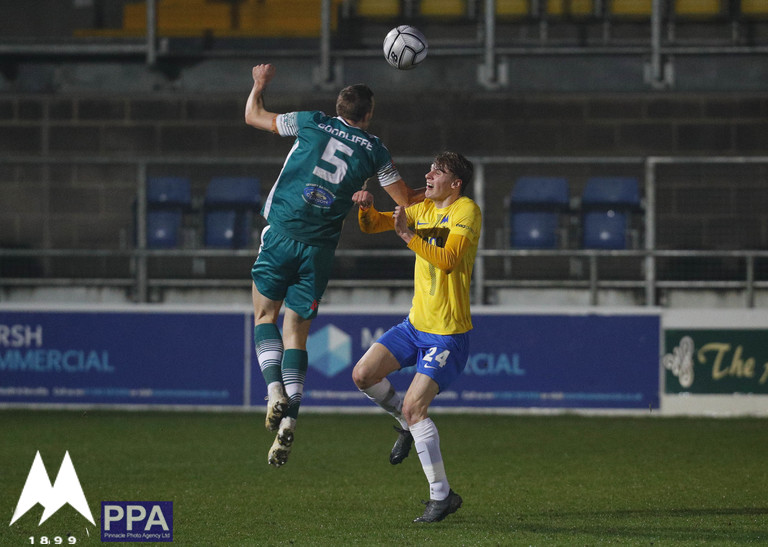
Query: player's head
point(458, 165)
point(355, 103)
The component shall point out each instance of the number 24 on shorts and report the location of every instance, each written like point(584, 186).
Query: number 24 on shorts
point(441, 358)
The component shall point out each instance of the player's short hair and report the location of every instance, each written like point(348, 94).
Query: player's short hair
point(354, 102)
point(455, 163)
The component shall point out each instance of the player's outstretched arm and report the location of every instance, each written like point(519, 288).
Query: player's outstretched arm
point(370, 220)
point(403, 194)
point(255, 114)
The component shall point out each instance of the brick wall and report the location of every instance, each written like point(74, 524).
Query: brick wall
point(82, 205)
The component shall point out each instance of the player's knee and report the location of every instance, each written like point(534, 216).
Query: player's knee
point(361, 376)
point(414, 413)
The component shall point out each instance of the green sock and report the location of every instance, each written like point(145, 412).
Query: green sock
point(295, 364)
point(269, 351)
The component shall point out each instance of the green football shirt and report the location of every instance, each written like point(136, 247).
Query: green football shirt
point(329, 161)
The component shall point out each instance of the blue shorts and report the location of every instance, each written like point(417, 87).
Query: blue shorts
point(289, 270)
point(442, 357)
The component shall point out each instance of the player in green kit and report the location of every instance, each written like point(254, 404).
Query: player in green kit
point(330, 160)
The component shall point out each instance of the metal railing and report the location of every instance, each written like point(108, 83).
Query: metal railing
point(139, 281)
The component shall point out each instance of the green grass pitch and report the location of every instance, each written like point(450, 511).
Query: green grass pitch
point(525, 479)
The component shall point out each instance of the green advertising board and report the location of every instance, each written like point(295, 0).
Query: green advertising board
point(715, 361)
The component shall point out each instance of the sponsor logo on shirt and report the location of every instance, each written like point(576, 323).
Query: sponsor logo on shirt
point(318, 196)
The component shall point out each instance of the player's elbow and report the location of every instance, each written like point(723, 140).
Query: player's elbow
point(249, 120)
point(448, 263)
point(252, 120)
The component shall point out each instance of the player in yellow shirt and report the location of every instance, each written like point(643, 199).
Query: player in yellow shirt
point(443, 231)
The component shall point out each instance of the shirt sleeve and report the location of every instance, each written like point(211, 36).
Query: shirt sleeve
point(287, 124)
point(444, 258)
point(468, 222)
point(388, 174)
point(372, 221)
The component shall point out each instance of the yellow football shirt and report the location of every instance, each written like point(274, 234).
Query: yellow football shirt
point(443, 273)
point(445, 247)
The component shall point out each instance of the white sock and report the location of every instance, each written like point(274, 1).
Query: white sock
point(384, 395)
point(427, 443)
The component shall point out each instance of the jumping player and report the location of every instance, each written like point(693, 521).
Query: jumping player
point(443, 231)
point(330, 160)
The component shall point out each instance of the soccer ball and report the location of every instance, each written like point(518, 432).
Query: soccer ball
point(405, 47)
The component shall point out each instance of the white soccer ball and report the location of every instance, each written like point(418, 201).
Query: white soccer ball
point(405, 47)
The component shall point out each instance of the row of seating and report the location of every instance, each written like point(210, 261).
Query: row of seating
point(557, 8)
point(537, 209)
point(268, 18)
point(300, 18)
point(538, 206)
point(228, 210)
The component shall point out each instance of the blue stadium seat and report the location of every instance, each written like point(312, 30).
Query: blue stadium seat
point(611, 191)
point(168, 192)
point(168, 198)
point(536, 206)
point(221, 228)
point(163, 228)
point(535, 230)
point(607, 205)
point(229, 207)
point(605, 230)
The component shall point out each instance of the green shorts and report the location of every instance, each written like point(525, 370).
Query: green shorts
point(292, 271)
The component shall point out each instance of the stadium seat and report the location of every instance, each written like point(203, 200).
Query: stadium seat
point(163, 229)
point(754, 8)
point(630, 8)
point(443, 8)
point(168, 198)
point(536, 206)
point(571, 8)
point(377, 8)
point(168, 192)
point(605, 230)
point(179, 17)
point(607, 205)
point(512, 9)
point(229, 207)
point(698, 8)
point(535, 230)
point(221, 228)
point(284, 18)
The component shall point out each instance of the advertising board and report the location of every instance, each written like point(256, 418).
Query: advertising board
point(121, 357)
point(516, 360)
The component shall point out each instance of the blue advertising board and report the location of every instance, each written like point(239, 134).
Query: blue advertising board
point(530, 360)
point(128, 358)
point(178, 358)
